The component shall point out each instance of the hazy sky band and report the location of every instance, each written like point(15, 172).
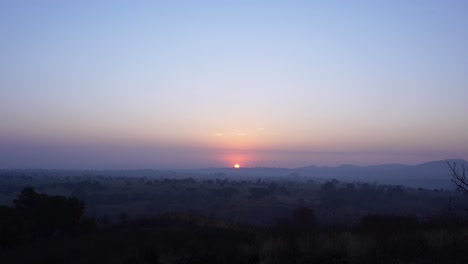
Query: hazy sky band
point(258, 78)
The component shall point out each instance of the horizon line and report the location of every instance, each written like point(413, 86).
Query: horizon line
point(232, 167)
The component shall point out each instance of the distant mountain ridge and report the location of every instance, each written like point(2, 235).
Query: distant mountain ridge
point(429, 175)
point(435, 162)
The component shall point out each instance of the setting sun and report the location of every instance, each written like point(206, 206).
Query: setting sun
point(237, 166)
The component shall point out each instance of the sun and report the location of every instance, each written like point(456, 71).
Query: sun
point(237, 166)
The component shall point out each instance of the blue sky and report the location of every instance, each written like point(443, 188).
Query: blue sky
point(157, 84)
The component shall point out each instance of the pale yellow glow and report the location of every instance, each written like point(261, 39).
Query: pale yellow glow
point(237, 166)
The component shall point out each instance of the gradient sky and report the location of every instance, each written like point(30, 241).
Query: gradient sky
point(189, 84)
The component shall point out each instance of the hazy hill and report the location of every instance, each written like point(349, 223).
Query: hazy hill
point(430, 175)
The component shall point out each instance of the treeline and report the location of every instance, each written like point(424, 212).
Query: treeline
point(335, 195)
point(36, 216)
point(252, 201)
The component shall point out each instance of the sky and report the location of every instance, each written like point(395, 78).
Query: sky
point(193, 84)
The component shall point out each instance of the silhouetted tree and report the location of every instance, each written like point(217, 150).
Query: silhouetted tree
point(458, 174)
point(43, 214)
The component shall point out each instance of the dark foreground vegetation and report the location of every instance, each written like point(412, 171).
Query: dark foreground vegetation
point(41, 228)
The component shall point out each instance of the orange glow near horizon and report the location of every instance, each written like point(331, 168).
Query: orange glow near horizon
point(237, 166)
point(231, 159)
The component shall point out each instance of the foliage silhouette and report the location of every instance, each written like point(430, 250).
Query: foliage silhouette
point(44, 215)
